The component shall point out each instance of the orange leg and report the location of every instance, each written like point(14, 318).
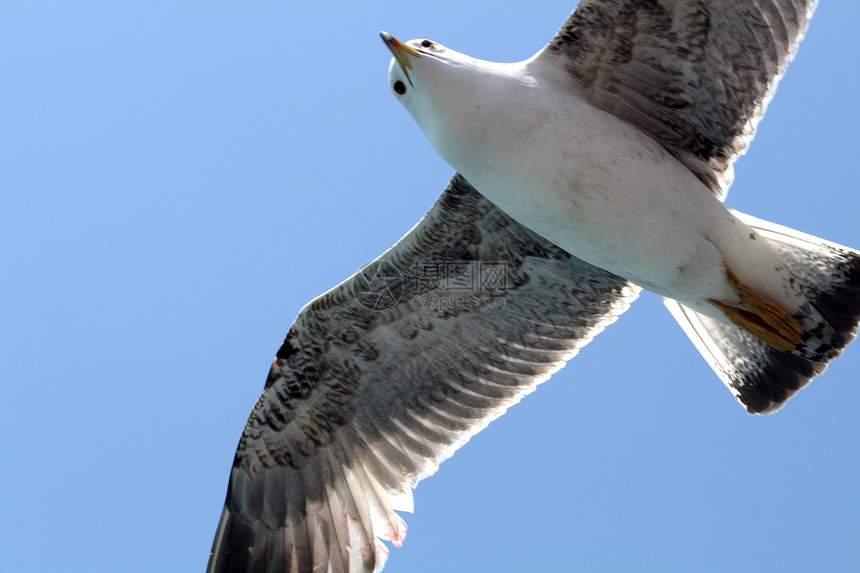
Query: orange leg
point(764, 319)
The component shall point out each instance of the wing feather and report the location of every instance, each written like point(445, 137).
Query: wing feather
point(382, 378)
point(696, 75)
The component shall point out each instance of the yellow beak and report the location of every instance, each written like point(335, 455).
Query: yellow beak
point(401, 52)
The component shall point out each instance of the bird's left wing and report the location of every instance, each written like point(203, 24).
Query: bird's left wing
point(382, 378)
point(695, 75)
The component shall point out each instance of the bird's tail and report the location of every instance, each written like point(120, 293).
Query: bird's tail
point(761, 377)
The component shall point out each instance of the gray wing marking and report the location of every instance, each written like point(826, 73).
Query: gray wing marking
point(386, 375)
point(696, 75)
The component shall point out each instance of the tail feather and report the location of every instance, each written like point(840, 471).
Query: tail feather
point(762, 378)
point(829, 274)
point(759, 376)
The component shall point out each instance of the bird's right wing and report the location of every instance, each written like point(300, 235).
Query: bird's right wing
point(382, 378)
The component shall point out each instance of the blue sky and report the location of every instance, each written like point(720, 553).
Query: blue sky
point(157, 238)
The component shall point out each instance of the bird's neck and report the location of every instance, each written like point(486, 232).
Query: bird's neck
point(465, 121)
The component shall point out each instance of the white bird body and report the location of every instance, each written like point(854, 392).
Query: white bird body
point(596, 186)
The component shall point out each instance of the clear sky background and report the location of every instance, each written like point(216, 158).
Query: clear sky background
point(157, 238)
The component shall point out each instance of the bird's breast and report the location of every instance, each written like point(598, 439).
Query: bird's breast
point(582, 178)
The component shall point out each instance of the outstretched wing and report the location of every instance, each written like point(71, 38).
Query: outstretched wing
point(382, 378)
point(696, 75)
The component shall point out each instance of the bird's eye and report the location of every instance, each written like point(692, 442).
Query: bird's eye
point(399, 87)
point(426, 44)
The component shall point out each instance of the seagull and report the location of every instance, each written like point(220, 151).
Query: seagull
point(594, 169)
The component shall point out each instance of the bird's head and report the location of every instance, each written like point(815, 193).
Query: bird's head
point(437, 87)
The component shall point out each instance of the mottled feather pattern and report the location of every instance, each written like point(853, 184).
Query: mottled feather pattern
point(358, 405)
point(695, 75)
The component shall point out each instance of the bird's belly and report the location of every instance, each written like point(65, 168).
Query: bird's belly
point(606, 193)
